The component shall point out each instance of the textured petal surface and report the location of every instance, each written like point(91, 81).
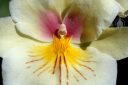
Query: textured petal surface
point(26, 14)
point(17, 72)
point(27, 10)
point(30, 14)
point(8, 36)
point(124, 4)
point(113, 42)
point(50, 22)
point(98, 15)
point(75, 22)
point(60, 5)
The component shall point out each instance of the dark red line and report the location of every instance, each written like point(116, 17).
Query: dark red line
point(86, 61)
point(66, 69)
point(32, 61)
point(87, 67)
point(34, 55)
point(79, 73)
point(40, 68)
point(43, 71)
point(60, 70)
point(54, 67)
point(75, 78)
point(93, 71)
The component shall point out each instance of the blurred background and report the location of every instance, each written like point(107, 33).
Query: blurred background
point(4, 8)
point(122, 77)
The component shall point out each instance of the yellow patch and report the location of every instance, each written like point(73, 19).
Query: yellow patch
point(60, 47)
point(59, 52)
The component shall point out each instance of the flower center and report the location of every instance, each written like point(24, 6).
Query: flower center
point(60, 41)
point(61, 45)
point(61, 54)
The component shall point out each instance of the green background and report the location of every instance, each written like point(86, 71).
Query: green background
point(4, 8)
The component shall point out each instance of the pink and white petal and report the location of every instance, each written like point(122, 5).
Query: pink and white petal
point(99, 15)
point(17, 72)
point(50, 22)
point(34, 18)
point(113, 42)
point(26, 10)
point(29, 30)
point(74, 21)
point(8, 35)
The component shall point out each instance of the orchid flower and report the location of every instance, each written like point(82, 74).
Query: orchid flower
point(62, 42)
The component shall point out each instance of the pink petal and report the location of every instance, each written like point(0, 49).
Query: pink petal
point(50, 22)
point(74, 24)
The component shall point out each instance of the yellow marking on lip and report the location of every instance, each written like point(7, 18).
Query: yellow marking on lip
point(59, 52)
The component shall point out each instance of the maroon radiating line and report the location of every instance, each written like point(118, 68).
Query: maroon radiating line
point(75, 78)
point(66, 69)
point(32, 61)
point(86, 67)
point(93, 71)
point(60, 70)
point(34, 55)
point(40, 68)
point(79, 72)
point(28, 67)
point(86, 61)
point(50, 70)
point(43, 71)
point(54, 67)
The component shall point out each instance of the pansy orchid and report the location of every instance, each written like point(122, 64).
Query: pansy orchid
point(62, 42)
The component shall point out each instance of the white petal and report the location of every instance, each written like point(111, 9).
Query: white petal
point(60, 5)
point(99, 16)
point(124, 4)
point(26, 10)
point(28, 29)
point(15, 59)
point(7, 35)
point(105, 68)
point(15, 71)
point(113, 42)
